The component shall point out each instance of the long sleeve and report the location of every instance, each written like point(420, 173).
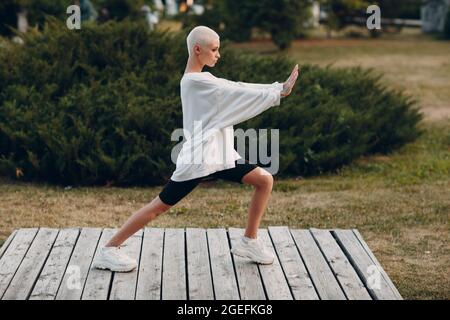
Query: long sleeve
point(276, 84)
point(238, 103)
point(213, 106)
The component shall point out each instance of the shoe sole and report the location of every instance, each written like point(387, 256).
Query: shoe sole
point(245, 254)
point(104, 267)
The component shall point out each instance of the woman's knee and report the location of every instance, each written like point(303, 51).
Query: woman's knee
point(268, 183)
point(259, 178)
point(160, 207)
point(265, 180)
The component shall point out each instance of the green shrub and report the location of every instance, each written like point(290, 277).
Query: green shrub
point(120, 9)
point(36, 12)
point(283, 20)
point(98, 106)
point(90, 106)
point(8, 17)
point(233, 20)
point(446, 32)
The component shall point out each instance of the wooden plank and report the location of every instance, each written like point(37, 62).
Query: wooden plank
point(98, 281)
point(124, 283)
point(50, 278)
point(14, 255)
point(24, 279)
point(198, 268)
point(350, 283)
point(6, 243)
point(367, 270)
point(32, 265)
point(375, 260)
point(150, 266)
point(272, 275)
point(321, 275)
point(224, 279)
point(296, 274)
point(75, 275)
point(174, 285)
point(247, 273)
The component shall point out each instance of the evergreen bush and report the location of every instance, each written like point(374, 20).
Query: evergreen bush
point(98, 105)
point(283, 20)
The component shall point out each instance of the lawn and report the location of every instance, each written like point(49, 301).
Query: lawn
point(399, 202)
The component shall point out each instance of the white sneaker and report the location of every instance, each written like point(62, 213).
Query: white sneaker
point(111, 258)
point(254, 250)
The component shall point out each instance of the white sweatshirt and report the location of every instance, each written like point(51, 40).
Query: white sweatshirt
point(211, 106)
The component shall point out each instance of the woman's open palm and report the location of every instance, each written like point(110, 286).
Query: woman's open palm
point(290, 82)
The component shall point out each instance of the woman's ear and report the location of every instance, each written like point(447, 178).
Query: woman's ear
point(197, 48)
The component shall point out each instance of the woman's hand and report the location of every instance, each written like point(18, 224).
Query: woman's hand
point(290, 82)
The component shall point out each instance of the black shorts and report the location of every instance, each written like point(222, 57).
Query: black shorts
point(174, 191)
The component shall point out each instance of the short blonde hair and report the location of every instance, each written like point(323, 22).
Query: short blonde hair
point(201, 35)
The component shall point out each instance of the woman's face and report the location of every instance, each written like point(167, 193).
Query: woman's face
point(209, 54)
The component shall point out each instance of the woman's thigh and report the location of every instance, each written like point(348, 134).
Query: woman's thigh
point(174, 191)
point(237, 173)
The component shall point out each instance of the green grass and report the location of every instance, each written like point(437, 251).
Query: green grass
point(425, 160)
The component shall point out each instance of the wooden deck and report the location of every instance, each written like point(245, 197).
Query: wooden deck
point(179, 264)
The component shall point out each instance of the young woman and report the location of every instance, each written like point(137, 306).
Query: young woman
point(211, 106)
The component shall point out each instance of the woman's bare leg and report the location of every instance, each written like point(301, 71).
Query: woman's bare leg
point(259, 178)
point(138, 220)
point(263, 182)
